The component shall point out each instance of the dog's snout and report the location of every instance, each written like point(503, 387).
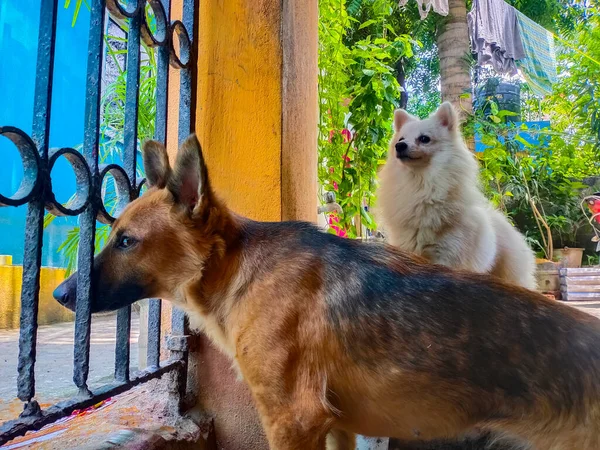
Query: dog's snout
point(61, 296)
point(401, 148)
point(66, 293)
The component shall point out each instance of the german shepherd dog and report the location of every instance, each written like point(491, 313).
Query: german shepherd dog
point(337, 336)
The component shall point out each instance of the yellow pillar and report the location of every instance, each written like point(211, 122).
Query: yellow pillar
point(256, 119)
point(257, 105)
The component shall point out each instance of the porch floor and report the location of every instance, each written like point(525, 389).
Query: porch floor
point(54, 365)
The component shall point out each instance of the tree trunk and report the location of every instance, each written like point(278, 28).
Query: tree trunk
point(401, 77)
point(454, 52)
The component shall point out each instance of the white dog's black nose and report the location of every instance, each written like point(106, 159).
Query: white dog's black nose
point(401, 149)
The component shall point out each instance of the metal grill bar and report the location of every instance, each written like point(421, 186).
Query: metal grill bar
point(162, 85)
point(154, 312)
point(160, 134)
point(130, 162)
point(179, 324)
point(122, 348)
point(35, 212)
point(185, 96)
point(36, 191)
point(83, 316)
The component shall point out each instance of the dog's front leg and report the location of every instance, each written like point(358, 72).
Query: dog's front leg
point(293, 419)
point(293, 429)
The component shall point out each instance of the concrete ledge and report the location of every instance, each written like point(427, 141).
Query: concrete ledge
point(197, 437)
point(137, 419)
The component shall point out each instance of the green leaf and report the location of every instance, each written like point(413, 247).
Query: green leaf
point(505, 113)
point(366, 24)
point(367, 218)
point(523, 141)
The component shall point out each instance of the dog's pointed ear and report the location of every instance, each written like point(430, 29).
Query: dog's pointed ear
point(446, 115)
point(156, 164)
point(189, 183)
point(400, 118)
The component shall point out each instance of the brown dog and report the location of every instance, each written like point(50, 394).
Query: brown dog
point(335, 335)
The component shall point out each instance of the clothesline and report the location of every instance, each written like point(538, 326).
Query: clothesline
point(508, 40)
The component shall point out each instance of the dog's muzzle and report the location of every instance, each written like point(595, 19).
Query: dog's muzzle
point(401, 150)
point(66, 292)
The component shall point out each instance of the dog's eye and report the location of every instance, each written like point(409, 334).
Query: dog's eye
point(401, 139)
point(126, 242)
point(424, 139)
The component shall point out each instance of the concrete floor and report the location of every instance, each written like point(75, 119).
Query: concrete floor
point(54, 365)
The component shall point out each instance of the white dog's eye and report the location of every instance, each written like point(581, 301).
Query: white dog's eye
point(424, 139)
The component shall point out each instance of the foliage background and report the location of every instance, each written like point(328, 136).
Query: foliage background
point(374, 57)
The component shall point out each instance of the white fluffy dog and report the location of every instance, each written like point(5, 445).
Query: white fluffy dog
point(430, 202)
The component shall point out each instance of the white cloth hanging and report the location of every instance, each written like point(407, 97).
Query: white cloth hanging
point(439, 6)
point(495, 36)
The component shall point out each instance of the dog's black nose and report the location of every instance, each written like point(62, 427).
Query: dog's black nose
point(61, 296)
point(66, 293)
point(401, 149)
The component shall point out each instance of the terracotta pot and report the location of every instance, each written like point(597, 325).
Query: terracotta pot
point(569, 257)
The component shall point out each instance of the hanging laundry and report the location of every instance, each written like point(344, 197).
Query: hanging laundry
point(495, 37)
point(439, 6)
point(539, 64)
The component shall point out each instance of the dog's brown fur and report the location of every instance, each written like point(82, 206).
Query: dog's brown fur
point(336, 336)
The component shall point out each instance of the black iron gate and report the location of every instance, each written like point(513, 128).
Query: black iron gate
point(36, 192)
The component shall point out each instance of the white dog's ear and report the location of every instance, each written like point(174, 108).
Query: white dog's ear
point(446, 115)
point(400, 118)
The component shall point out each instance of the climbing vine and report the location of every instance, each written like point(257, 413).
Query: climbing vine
point(358, 92)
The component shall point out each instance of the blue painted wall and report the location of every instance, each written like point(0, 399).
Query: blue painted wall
point(533, 135)
point(19, 21)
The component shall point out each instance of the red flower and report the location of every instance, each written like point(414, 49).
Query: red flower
point(333, 219)
point(348, 161)
point(347, 135)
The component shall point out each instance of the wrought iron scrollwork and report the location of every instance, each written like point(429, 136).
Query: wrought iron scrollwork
point(87, 203)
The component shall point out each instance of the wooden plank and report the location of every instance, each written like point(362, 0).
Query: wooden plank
point(567, 280)
point(583, 271)
point(580, 288)
point(581, 296)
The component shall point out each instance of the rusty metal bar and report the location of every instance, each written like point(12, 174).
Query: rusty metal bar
point(85, 259)
point(160, 134)
point(130, 137)
point(32, 259)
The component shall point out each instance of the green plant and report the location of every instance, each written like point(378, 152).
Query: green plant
point(592, 260)
point(538, 186)
point(358, 92)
